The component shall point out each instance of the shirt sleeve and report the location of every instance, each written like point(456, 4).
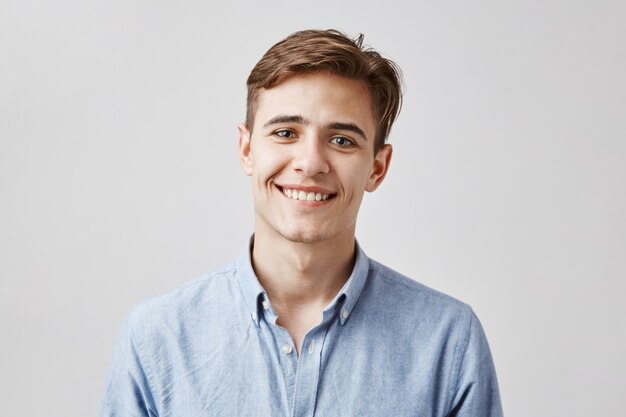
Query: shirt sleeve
point(476, 393)
point(127, 392)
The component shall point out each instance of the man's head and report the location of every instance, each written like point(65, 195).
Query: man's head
point(330, 51)
point(319, 110)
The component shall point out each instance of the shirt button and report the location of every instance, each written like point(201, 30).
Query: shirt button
point(286, 349)
point(311, 346)
point(266, 305)
point(345, 313)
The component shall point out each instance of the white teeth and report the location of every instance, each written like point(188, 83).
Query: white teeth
point(303, 196)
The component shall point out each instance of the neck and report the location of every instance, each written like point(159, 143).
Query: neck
point(302, 274)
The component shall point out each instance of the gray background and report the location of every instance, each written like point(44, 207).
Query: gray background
point(119, 178)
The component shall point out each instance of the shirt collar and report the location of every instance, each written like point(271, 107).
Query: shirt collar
point(347, 297)
point(344, 301)
point(249, 283)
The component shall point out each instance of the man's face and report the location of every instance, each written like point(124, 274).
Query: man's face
point(311, 157)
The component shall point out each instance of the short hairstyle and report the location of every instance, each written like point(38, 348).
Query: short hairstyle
point(331, 51)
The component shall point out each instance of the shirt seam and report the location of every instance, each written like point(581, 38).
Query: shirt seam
point(458, 361)
point(144, 366)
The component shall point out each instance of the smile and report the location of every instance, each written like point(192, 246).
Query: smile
point(301, 195)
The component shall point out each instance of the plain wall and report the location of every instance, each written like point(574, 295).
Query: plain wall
point(119, 177)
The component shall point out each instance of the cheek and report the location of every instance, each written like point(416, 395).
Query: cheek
point(263, 159)
point(356, 179)
point(268, 164)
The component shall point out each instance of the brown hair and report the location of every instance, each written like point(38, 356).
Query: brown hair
point(331, 51)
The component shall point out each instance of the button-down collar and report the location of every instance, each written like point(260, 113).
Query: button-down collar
point(346, 298)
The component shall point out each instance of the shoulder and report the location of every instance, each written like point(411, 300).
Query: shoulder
point(199, 297)
point(414, 298)
point(397, 284)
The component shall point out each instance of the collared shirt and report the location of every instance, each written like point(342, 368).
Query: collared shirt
point(386, 346)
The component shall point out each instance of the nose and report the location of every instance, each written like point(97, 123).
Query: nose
point(310, 158)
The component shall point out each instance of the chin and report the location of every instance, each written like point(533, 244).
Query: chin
point(304, 236)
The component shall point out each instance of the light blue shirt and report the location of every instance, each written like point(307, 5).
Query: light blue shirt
point(386, 346)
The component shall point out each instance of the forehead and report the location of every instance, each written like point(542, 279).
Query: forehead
point(319, 97)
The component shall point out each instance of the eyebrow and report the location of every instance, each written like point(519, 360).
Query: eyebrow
point(286, 118)
point(298, 119)
point(350, 127)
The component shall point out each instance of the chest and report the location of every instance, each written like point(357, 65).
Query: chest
point(339, 371)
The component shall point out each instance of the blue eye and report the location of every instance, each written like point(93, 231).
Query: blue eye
point(342, 142)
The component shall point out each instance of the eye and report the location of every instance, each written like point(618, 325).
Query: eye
point(285, 134)
point(342, 142)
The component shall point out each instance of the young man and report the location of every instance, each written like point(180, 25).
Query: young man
point(304, 323)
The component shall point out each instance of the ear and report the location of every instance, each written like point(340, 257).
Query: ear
point(245, 152)
point(380, 167)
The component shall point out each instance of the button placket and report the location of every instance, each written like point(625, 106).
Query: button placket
point(307, 376)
